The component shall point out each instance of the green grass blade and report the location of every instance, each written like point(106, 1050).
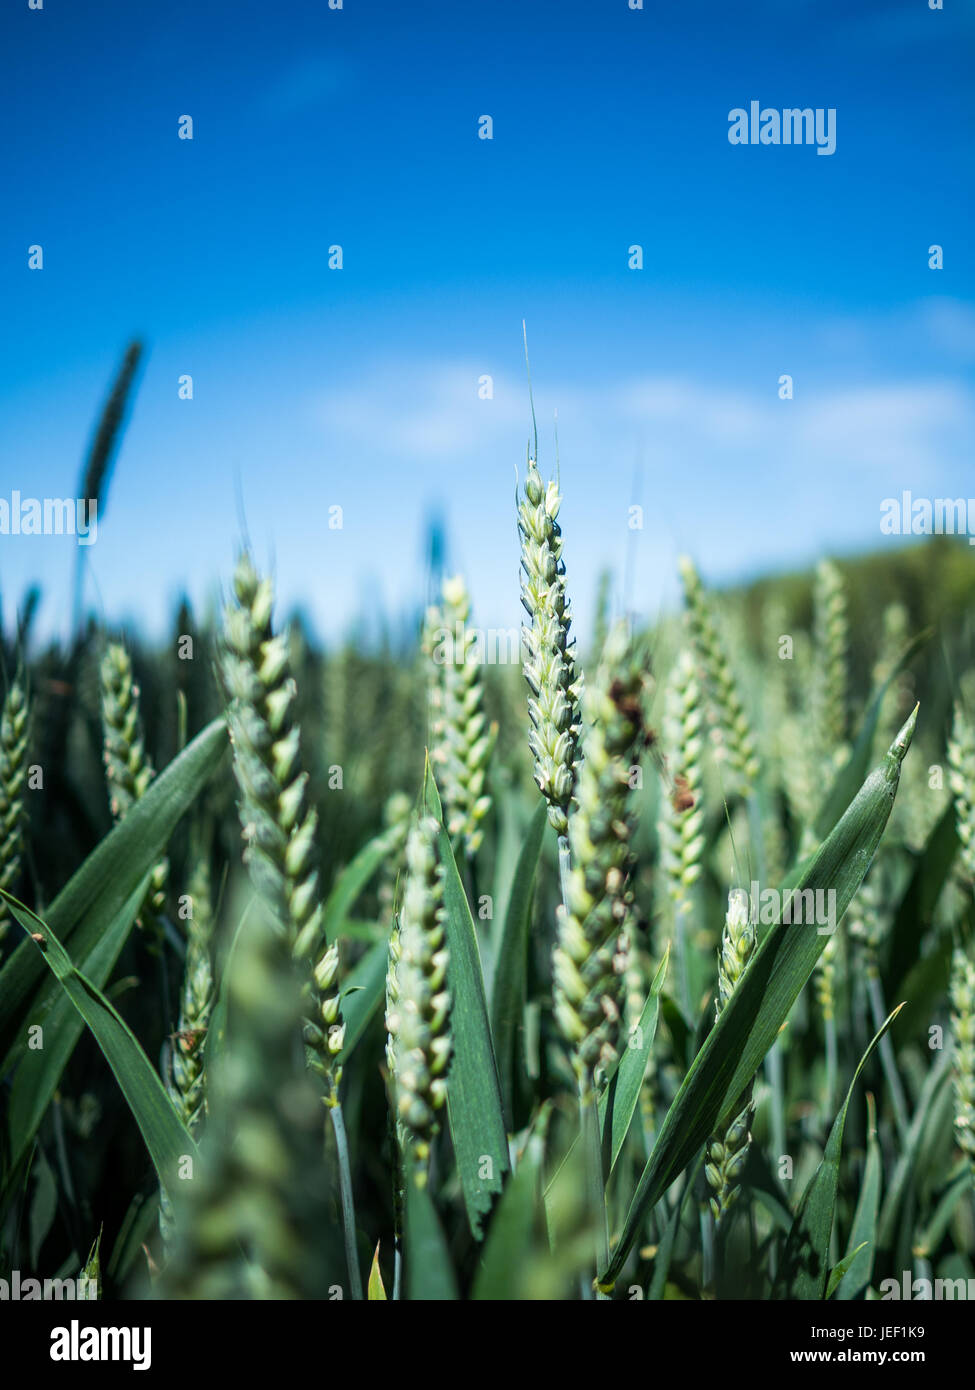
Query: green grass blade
point(509, 986)
point(376, 1290)
point(915, 913)
point(936, 1082)
point(165, 1135)
point(99, 889)
point(838, 1273)
point(863, 1236)
point(351, 883)
point(761, 1003)
point(516, 1233)
point(665, 1250)
point(39, 1071)
point(141, 1219)
point(473, 1090)
point(933, 1232)
point(618, 1101)
point(363, 992)
point(429, 1275)
point(805, 1268)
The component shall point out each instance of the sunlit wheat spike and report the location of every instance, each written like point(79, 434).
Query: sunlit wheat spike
point(591, 954)
point(962, 995)
point(728, 1153)
point(461, 739)
point(417, 1001)
point(278, 824)
point(737, 740)
point(128, 769)
point(549, 655)
point(14, 740)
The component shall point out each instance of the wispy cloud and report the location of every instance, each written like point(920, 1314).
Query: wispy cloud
point(431, 413)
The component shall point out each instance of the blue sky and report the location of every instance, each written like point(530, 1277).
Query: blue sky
point(358, 387)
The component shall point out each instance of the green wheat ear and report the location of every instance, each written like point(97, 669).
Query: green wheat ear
point(591, 955)
point(830, 642)
point(461, 739)
point(14, 739)
point(129, 770)
point(737, 741)
point(417, 1002)
point(728, 1153)
point(962, 995)
point(961, 782)
point(278, 824)
point(549, 655)
point(681, 819)
point(186, 1082)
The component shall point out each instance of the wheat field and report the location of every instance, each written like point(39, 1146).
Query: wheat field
point(640, 966)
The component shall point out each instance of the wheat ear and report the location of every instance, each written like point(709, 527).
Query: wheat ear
point(462, 739)
point(14, 739)
point(728, 1153)
point(129, 770)
point(186, 1082)
point(737, 740)
point(548, 653)
point(962, 994)
point(417, 1002)
point(590, 959)
point(278, 825)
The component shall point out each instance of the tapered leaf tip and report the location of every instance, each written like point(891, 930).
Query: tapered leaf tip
point(902, 742)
